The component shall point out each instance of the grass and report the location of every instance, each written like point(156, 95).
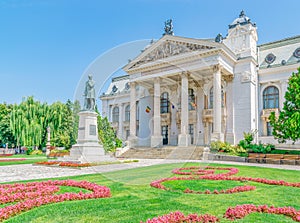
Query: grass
point(30, 159)
point(133, 200)
point(28, 156)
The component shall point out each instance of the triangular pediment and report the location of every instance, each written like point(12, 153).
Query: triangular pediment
point(170, 46)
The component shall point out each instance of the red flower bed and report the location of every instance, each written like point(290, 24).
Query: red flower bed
point(178, 217)
point(237, 189)
point(68, 164)
point(35, 194)
point(12, 159)
point(223, 176)
point(195, 170)
point(240, 211)
point(237, 212)
point(6, 155)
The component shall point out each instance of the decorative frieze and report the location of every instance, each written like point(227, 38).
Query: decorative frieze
point(170, 48)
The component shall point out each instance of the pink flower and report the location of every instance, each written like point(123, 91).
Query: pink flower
point(35, 194)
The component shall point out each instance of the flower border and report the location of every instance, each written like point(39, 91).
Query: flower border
point(177, 216)
point(224, 176)
point(64, 164)
point(240, 211)
point(35, 194)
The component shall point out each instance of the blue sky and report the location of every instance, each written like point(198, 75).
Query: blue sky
point(47, 45)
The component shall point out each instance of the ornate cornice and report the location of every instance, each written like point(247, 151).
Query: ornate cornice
point(168, 49)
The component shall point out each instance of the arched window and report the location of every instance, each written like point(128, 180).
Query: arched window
point(164, 102)
point(211, 98)
point(192, 103)
point(127, 113)
point(115, 114)
point(271, 97)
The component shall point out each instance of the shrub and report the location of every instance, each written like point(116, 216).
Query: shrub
point(59, 151)
point(227, 148)
point(36, 152)
point(28, 150)
point(247, 144)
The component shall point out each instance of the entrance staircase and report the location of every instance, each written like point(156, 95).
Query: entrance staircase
point(166, 152)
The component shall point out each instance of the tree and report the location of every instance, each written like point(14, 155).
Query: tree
point(30, 119)
point(75, 109)
point(107, 134)
point(6, 135)
point(287, 125)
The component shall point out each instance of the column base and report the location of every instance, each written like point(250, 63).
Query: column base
point(174, 140)
point(132, 141)
point(200, 139)
point(230, 138)
point(156, 141)
point(184, 140)
point(217, 136)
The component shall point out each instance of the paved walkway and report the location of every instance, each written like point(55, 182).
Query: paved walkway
point(31, 172)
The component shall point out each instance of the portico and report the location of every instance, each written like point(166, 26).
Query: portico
point(185, 111)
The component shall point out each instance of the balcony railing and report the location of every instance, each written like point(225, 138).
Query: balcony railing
point(207, 114)
point(267, 112)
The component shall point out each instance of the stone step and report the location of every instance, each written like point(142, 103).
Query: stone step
point(181, 153)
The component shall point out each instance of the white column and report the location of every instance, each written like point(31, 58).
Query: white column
point(121, 119)
point(230, 113)
point(284, 86)
point(217, 110)
point(156, 138)
point(184, 139)
point(199, 109)
point(173, 102)
point(132, 123)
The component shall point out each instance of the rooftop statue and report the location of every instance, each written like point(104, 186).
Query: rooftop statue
point(89, 94)
point(168, 27)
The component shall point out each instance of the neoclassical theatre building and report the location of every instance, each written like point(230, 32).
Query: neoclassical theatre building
point(182, 91)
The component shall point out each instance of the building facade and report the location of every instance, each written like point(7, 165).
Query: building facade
point(182, 91)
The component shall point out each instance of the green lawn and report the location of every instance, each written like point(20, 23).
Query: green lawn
point(43, 156)
point(30, 159)
point(133, 200)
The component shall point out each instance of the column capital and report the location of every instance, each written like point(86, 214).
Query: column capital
point(184, 74)
point(157, 80)
point(132, 84)
point(217, 68)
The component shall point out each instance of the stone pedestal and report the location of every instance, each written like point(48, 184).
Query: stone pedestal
point(217, 137)
point(184, 140)
point(200, 139)
point(87, 149)
point(156, 141)
point(205, 153)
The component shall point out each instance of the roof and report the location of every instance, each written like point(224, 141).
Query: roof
point(280, 53)
point(241, 20)
point(118, 85)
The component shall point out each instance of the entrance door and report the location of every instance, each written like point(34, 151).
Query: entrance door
point(165, 134)
point(191, 132)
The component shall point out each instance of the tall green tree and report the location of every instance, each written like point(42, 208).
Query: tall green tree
point(107, 134)
point(61, 124)
point(75, 109)
point(287, 125)
point(6, 135)
point(28, 122)
point(30, 119)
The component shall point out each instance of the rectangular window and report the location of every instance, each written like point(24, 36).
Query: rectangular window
point(191, 132)
point(269, 129)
